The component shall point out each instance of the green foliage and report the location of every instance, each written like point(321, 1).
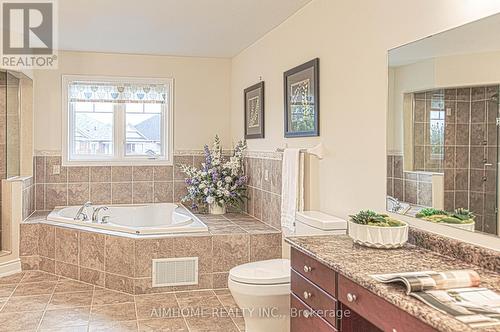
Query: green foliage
point(372, 218)
point(463, 214)
point(427, 212)
point(460, 216)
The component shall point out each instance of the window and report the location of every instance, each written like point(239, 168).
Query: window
point(436, 128)
point(117, 121)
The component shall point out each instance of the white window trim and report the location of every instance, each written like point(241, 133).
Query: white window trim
point(168, 124)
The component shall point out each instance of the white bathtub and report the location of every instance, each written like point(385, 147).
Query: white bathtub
point(163, 218)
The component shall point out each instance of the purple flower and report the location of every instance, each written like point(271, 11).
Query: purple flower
point(208, 158)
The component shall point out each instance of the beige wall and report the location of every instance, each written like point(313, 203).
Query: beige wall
point(201, 90)
point(351, 38)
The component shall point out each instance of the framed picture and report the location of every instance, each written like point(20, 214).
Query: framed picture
point(254, 111)
point(302, 100)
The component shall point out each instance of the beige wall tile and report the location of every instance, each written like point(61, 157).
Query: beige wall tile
point(66, 245)
point(30, 262)
point(180, 190)
point(121, 173)
point(28, 245)
point(143, 173)
point(40, 197)
point(147, 249)
point(78, 174)
point(46, 241)
point(163, 192)
point(56, 195)
point(78, 193)
point(93, 277)
point(119, 283)
point(47, 264)
point(195, 246)
point(121, 193)
point(178, 160)
point(220, 280)
point(119, 255)
point(50, 177)
point(100, 174)
point(39, 169)
point(163, 173)
point(230, 251)
point(265, 246)
point(92, 250)
point(100, 193)
point(143, 192)
point(67, 270)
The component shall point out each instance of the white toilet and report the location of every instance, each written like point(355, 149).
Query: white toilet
point(262, 289)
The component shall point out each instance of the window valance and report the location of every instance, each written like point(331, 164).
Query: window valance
point(117, 92)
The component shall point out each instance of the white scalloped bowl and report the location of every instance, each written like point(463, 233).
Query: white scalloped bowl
point(378, 237)
point(468, 227)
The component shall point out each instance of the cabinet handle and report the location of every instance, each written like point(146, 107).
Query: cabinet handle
point(307, 269)
point(307, 295)
point(307, 314)
point(351, 297)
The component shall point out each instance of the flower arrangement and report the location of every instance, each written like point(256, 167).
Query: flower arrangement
point(220, 181)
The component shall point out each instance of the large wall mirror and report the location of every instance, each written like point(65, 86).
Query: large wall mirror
point(443, 128)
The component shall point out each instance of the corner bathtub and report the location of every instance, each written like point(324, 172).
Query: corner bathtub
point(163, 218)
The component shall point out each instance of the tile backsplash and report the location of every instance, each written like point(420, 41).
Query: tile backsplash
point(75, 185)
point(264, 187)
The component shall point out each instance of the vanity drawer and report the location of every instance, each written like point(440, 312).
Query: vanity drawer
point(376, 310)
point(314, 271)
point(314, 297)
point(303, 321)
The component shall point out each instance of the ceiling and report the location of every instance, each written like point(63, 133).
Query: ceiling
point(209, 28)
point(477, 37)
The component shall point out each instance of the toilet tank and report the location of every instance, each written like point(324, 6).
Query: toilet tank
point(313, 223)
point(318, 223)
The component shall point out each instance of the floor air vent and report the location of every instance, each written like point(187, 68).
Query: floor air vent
point(175, 271)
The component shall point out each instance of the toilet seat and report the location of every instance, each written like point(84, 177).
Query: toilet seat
point(269, 272)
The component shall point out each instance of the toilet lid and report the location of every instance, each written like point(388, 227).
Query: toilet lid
point(270, 272)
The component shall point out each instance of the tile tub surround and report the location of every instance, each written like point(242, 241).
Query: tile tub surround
point(39, 301)
point(123, 263)
point(109, 184)
point(264, 186)
point(358, 263)
point(466, 252)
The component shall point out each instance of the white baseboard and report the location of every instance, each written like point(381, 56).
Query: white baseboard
point(10, 267)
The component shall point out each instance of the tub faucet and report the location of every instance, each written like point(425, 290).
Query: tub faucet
point(95, 215)
point(81, 215)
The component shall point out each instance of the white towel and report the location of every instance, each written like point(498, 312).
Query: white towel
point(291, 187)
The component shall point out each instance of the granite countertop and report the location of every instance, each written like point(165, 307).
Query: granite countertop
point(358, 263)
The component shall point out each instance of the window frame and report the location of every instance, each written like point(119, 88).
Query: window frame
point(119, 157)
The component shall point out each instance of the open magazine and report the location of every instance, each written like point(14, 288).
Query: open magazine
point(453, 292)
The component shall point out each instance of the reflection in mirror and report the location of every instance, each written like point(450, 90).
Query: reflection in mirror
point(443, 121)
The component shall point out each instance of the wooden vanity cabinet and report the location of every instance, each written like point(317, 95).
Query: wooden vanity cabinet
point(324, 301)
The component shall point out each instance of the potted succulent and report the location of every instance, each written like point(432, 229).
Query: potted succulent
point(460, 218)
point(377, 230)
point(220, 181)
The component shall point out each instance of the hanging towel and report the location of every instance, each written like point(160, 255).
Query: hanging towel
point(291, 187)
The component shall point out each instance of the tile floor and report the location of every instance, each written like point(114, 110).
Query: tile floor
point(39, 301)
